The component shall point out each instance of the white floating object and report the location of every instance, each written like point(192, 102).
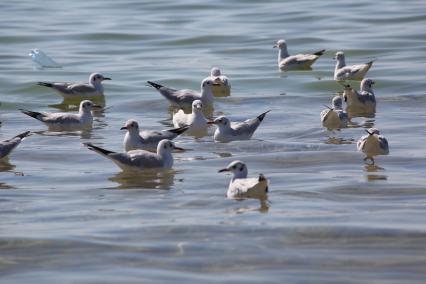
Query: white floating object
point(42, 59)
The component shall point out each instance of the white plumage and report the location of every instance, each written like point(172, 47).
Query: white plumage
point(223, 86)
point(195, 120)
point(294, 62)
point(334, 117)
point(363, 101)
point(373, 144)
point(354, 72)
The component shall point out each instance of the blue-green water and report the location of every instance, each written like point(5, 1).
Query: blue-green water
point(70, 216)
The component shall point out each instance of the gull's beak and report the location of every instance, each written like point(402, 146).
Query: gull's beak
point(369, 133)
point(211, 122)
point(216, 83)
point(124, 128)
point(107, 78)
point(330, 108)
point(224, 170)
point(178, 148)
point(275, 46)
point(96, 106)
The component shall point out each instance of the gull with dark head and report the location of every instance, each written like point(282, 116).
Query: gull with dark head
point(227, 131)
point(373, 144)
point(363, 101)
point(294, 62)
point(353, 72)
point(243, 187)
point(140, 159)
point(93, 88)
point(66, 121)
point(7, 146)
point(335, 117)
point(147, 140)
point(184, 98)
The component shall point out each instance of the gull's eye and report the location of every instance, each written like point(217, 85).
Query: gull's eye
point(242, 168)
point(234, 167)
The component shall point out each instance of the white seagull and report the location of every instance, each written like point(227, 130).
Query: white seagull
point(7, 146)
point(224, 87)
point(77, 90)
point(141, 159)
point(354, 72)
point(146, 140)
point(363, 101)
point(298, 61)
point(184, 98)
point(195, 120)
point(243, 187)
point(373, 144)
point(66, 121)
point(227, 131)
point(334, 117)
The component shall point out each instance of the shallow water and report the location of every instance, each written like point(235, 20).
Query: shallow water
point(68, 215)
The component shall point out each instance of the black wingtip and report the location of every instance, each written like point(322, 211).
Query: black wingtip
point(45, 84)
point(262, 116)
point(155, 85)
point(33, 114)
point(319, 53)
point(92, 147)
point(179, 130)
point(23, 135)
point(370, 62)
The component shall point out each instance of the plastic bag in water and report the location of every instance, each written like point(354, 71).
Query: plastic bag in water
point(42, 59)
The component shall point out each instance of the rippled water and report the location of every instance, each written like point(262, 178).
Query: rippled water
point(68, 215)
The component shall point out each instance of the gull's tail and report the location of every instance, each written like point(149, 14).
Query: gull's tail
point(262, 178)
point(45, 84)
point(179, 130)
point(262, 116)
point(155, 85)
point(34, 114)
point(319, 53)
point(98, 150)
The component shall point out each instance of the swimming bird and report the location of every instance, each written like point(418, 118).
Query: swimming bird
point(334, 117)
point(354, 72)
point(195, 120)
point(363, 101)
point(140, 159)
point(373, 144)
point(146, 140)
point(184, 98)
point(7, 146)
point(66, 121)
point(224, 87)
point(298, 61)
point(243, 187)
point(227, 131)
point(77, 90)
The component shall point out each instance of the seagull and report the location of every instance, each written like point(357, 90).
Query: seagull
point(373, 144)
point(227, 131)
point(243, 187)
point(146, 140)
point(334, 117)
point(184, 98)
point(291, 62)
point(224, 88)
point(196, 121)
point(77, 90)
point(354, 72)
point(7, 146)
point(141, 159)
point(363, 101)
point(66, 121)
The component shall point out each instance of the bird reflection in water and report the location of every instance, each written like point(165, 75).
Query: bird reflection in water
point(264, 203)
point(374, 168)
point(150, 179)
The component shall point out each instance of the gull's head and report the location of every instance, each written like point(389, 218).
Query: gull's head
point(367, 84)
point(339, 56)
point(215, 72)
point(167, 146)
point(96, 78)
point(197, 105)
point(372, 131)
point(208, 83)
point(238, 168)
point(221, 121)
point(281, 44)
point(337, 102)
point(131, 125)
point(87, 106)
